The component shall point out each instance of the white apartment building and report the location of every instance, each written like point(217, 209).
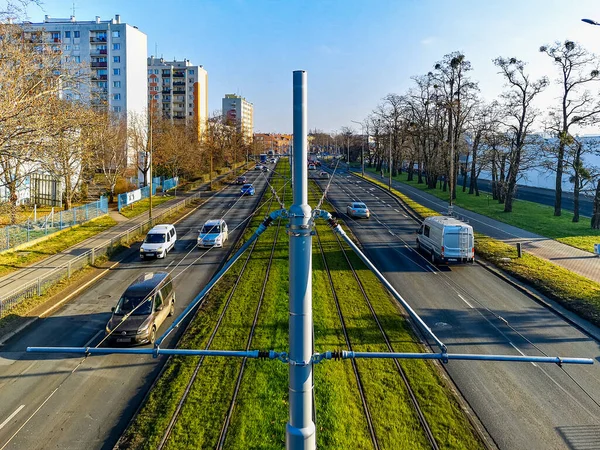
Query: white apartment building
point(237, 110)
point(179, 90)
point(115, 54)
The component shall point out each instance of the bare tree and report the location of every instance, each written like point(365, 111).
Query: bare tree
point(577, 106)
point(138, 135)
point(520, 115)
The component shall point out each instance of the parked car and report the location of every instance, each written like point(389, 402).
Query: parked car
point(214, 233)
point(446, 239)
point(247, 189)
point(241, 180)
point(142, 309)
point(159, 241)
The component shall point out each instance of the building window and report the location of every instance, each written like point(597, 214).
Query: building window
point(77, 59)
point(76, 47)
point(116, 109)
point(190, 80)
point(155, 71)
point(116, 71)
point(149, 71)
point(67, 34)
point(156, 97)
point(117, 59)
point(116, 46)
point(67, 48)
point(116, 96)
point(75, 34)
point(116, 34)
point(191, 114)
point(191, 105)
point(117, 84)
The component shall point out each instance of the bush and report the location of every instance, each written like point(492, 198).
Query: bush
point(123, 185)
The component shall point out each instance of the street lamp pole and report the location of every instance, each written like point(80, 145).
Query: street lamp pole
point(362, 148)
point(150, 170)
point(390, 166)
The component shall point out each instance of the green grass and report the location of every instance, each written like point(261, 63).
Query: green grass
point(527, 215)
point(261, 410)
point(142, 206)
point(15, 260)
point(573, 291)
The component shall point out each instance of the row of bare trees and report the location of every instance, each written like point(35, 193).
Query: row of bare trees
point(442, 129)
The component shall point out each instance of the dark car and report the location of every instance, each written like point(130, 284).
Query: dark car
point(241, 180)
point(142, 309)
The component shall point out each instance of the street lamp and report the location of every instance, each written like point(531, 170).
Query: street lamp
point(362, 148)
point(590, 21)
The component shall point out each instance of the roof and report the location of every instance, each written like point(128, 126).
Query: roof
point(212, 222)
point(160, 228)
point(447, 220)
point(146, 282)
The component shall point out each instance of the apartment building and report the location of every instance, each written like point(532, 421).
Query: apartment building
point(240, 112)
point(278, 143)
point(115, 54)
point(179, 90)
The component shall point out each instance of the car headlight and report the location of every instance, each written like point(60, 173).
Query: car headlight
point(142, 250)
point(108, 330)
point(143, 329)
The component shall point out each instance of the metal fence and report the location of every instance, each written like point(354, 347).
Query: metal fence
point(128, 198)
point(170, 183)
point(15, 235)
point(41, 284)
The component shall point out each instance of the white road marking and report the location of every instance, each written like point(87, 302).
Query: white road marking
point(391, 233)
point(522, 354)
point(87, 344)
point(465, 300)
point(169, 264)
point(3, 424)
point(396, 210)
point(431, 269)
point(405, 215)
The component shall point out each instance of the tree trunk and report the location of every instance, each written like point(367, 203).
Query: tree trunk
point(559, 174)
point(596, 211)
point(420, 174)
point(473, 180)
point(464, 175)
point(577, 186)
point(12, 189)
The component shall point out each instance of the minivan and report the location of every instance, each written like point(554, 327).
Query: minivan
point(446, 239)
point(214, 233)
point(142, 309)
point(159, 241)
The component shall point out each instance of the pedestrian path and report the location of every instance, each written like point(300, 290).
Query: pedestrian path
point(14, 280)
point(581, 262)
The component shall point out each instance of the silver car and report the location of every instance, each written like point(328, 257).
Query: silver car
point(357, 209)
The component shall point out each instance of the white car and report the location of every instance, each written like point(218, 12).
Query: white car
point(358, 209)
point(258, 167)
point(311, 166)
point(159, 241)
point(214, 233)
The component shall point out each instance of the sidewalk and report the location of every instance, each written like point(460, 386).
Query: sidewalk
point(20, 277)
point(571, 258)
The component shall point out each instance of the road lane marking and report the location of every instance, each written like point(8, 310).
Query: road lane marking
point(396, 210)
point(3, 424)
point(465, 300)
point(522, 354)
point(169, 264)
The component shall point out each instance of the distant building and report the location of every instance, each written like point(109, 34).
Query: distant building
point(115, 54)
point(279, 143)
point(239, 112)
point(179, 90)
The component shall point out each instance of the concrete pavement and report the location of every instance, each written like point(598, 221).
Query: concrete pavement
point(583, 263)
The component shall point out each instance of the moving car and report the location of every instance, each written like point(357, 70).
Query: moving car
point(265, 169)
point(323, 174)
point(358, 209)
point(142, 309)
point(247, 189)
point(311, 166)
point(159, 241)
point(446, 239)
point(258, 167)
point(214, 233)
point(241, 180)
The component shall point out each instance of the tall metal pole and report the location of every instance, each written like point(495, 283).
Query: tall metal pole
point(390, 166)
point(300, 430)
point(150, 171)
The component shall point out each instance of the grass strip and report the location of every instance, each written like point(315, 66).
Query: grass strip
point(573, 291)
point(143, 205)
point(527, 215)
point(15, 260)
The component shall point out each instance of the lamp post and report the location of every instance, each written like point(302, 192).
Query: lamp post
point(590, 21)
point(362, 148)
point(150, 170)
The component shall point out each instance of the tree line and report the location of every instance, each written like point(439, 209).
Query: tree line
point(441, 130)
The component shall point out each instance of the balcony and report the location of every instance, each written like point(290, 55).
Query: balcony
point(99, 64)
point(97, 38)
point(178, 74)
point(166, 91)
point(179, 83)
point(99, 77)
point(179, 92)
point(56, 39)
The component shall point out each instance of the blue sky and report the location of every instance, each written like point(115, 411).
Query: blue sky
point(355, 52)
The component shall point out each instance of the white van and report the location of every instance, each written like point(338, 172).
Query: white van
point(446, 239)
point(159, 241)
point(214, 233)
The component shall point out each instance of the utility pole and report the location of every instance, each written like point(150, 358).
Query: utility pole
point(150, 169)
point(390, 166)
point(300, 430)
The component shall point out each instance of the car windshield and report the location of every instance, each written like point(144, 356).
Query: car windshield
point(207, 229)
point(359, 206)
point(247, 186)
point(155, 238)
point(139, 305)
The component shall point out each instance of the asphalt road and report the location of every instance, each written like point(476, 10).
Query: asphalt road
point(522, 405)
point(68, 402)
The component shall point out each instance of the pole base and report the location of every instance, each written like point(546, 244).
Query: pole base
point(300, 438)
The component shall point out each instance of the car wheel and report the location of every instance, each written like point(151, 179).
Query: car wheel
point(152, 337)
point(172, 309)
point(418, 246)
